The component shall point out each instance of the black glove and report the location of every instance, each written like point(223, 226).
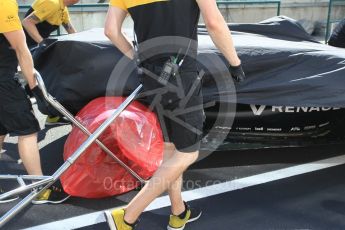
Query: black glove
point(237, 73)
point(39, 49)
point(43, 106)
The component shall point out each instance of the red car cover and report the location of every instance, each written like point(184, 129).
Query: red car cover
point(135, 137)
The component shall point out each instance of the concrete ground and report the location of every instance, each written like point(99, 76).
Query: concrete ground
point(287, 188)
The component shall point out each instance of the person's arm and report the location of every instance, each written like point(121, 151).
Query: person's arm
point(67, 23)
point(18, 43)
point(113, 30)
point(29, 23)
point(69, 28)
point(218, 30)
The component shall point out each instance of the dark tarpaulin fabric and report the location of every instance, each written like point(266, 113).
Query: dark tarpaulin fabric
point(283, 64)
point(337, 37)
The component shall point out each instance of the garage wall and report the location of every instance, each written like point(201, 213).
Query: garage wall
point(314, 11)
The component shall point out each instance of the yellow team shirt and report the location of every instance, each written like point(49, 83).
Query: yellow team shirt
point(9, 19)
point(125, 4)
point(52, 11)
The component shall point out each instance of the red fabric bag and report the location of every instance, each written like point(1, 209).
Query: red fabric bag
point(135, 137)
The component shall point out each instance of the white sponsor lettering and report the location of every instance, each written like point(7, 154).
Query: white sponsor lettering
point(304, 109)
point(295, 129)
point(274, 129)
point(279, 108)
point(223, 127)
point(289, 109)
point(324, 124)
point(257, 111)
point(244, 129)
point(310, 127)
point(314, 109)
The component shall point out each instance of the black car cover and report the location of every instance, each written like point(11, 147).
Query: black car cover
point(337, 37)
point(284, 66)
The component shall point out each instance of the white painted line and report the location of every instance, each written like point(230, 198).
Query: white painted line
point(97, 217)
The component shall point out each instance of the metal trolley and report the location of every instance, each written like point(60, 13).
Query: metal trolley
point(43, 182)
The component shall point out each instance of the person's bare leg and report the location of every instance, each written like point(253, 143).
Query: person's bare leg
point(175, 195)
point(29, 153)
point(164, 177)
point(175, 190)
point(2, 139)
point(169, 150)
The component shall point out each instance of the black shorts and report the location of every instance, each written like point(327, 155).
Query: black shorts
point(180, 109)
point(16, 114)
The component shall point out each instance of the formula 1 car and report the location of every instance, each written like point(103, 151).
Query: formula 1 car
point(294, 93)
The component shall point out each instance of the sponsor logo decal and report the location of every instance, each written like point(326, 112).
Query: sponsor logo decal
point(259, 109)
point(324, 124)
point(295, 129)
point(274, 129)
point(310, 127)
point(10, 18)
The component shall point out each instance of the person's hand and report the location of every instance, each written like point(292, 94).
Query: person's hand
point(237, 73)
point(40, 48)
point(43, 106)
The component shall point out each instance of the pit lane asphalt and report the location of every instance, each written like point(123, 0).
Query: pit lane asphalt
point(309, 201)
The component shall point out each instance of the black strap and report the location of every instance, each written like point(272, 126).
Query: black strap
point(190, 41)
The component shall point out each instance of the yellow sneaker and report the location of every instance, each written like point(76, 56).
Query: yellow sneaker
point(52, 195)
point(189, 215)
point(57, 121)
point(116, 220)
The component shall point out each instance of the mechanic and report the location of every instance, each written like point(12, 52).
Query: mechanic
point(16, 114)
point(43, 18)
point(177, 18)
point(337, 38)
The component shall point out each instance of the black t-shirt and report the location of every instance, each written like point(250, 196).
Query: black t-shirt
point(158, 18)
point(8, 59)
point(337, 38)
point(9, 22)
